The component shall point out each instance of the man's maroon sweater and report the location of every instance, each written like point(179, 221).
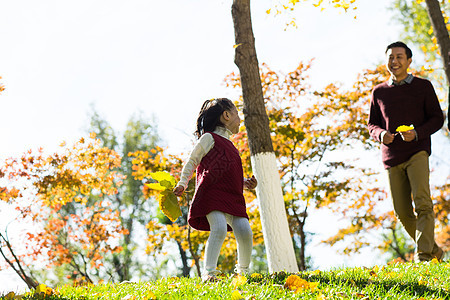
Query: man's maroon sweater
point(394, 105)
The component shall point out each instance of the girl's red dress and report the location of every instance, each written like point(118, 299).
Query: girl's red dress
point(219, 184)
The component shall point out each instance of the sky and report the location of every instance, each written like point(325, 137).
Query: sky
point(159, 59)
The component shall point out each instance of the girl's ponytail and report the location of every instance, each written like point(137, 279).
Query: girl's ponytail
point(209, 115)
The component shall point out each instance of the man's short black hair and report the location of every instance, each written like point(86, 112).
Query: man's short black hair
point(401, 45)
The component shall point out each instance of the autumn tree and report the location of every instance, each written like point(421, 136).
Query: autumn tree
point(279, 247)
point(134, 210)
point(308, 129)
point(44, 189)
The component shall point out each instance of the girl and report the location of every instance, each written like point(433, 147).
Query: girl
point(218, 205)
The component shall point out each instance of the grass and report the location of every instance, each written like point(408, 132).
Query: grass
point(395, 281)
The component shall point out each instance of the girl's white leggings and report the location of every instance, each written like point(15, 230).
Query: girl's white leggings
point(244, 238)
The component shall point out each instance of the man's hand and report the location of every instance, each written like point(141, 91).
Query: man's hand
point(250, 183)
point(388, 138)
point(178, 190)
point(409, 135)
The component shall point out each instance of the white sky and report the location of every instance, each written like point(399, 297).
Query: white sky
point(161, 58)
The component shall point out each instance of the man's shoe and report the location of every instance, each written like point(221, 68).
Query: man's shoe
point(439, 254)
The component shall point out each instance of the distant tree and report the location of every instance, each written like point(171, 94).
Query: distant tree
point(279, 247)
point(134, 210)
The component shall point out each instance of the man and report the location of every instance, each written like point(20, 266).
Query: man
point(407, 100)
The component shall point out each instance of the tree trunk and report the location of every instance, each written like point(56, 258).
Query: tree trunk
point(277, 238)
point(443, 40)
point(441, 33)
point(185, 269)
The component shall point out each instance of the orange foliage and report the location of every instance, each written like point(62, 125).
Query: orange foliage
point(54, 192)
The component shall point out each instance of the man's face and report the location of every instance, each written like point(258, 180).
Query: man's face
point(398, 63)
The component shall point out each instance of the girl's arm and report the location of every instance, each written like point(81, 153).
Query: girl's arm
point(201, 148)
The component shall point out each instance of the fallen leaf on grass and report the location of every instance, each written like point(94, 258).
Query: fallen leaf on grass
point(236, 295)
point(150, 296)
point(320, 297)
point(10, 296)
point(297, 284)
point(238, 281)
point(359, 295)
point(43, 289)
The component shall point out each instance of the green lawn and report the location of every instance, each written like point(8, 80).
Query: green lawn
point(396, 281)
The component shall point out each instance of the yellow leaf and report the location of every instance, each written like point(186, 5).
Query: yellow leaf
point(267, 12)
point(235, 46)
point(403, 128)
point(155, 186)
point(168, 203)
point(238, 281)
point(164, 178)
point(10, 296)
point(151, 296)
point(42, 288)
point(313, 286)
point(236, 295)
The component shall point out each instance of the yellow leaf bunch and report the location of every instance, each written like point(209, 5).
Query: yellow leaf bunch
point(297, 284)
point(168, 202)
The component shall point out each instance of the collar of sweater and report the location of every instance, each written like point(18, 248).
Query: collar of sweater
point(223, 132)
point(407, 80)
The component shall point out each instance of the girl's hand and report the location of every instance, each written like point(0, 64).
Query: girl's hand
point(178, 190)
point(250, 183)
